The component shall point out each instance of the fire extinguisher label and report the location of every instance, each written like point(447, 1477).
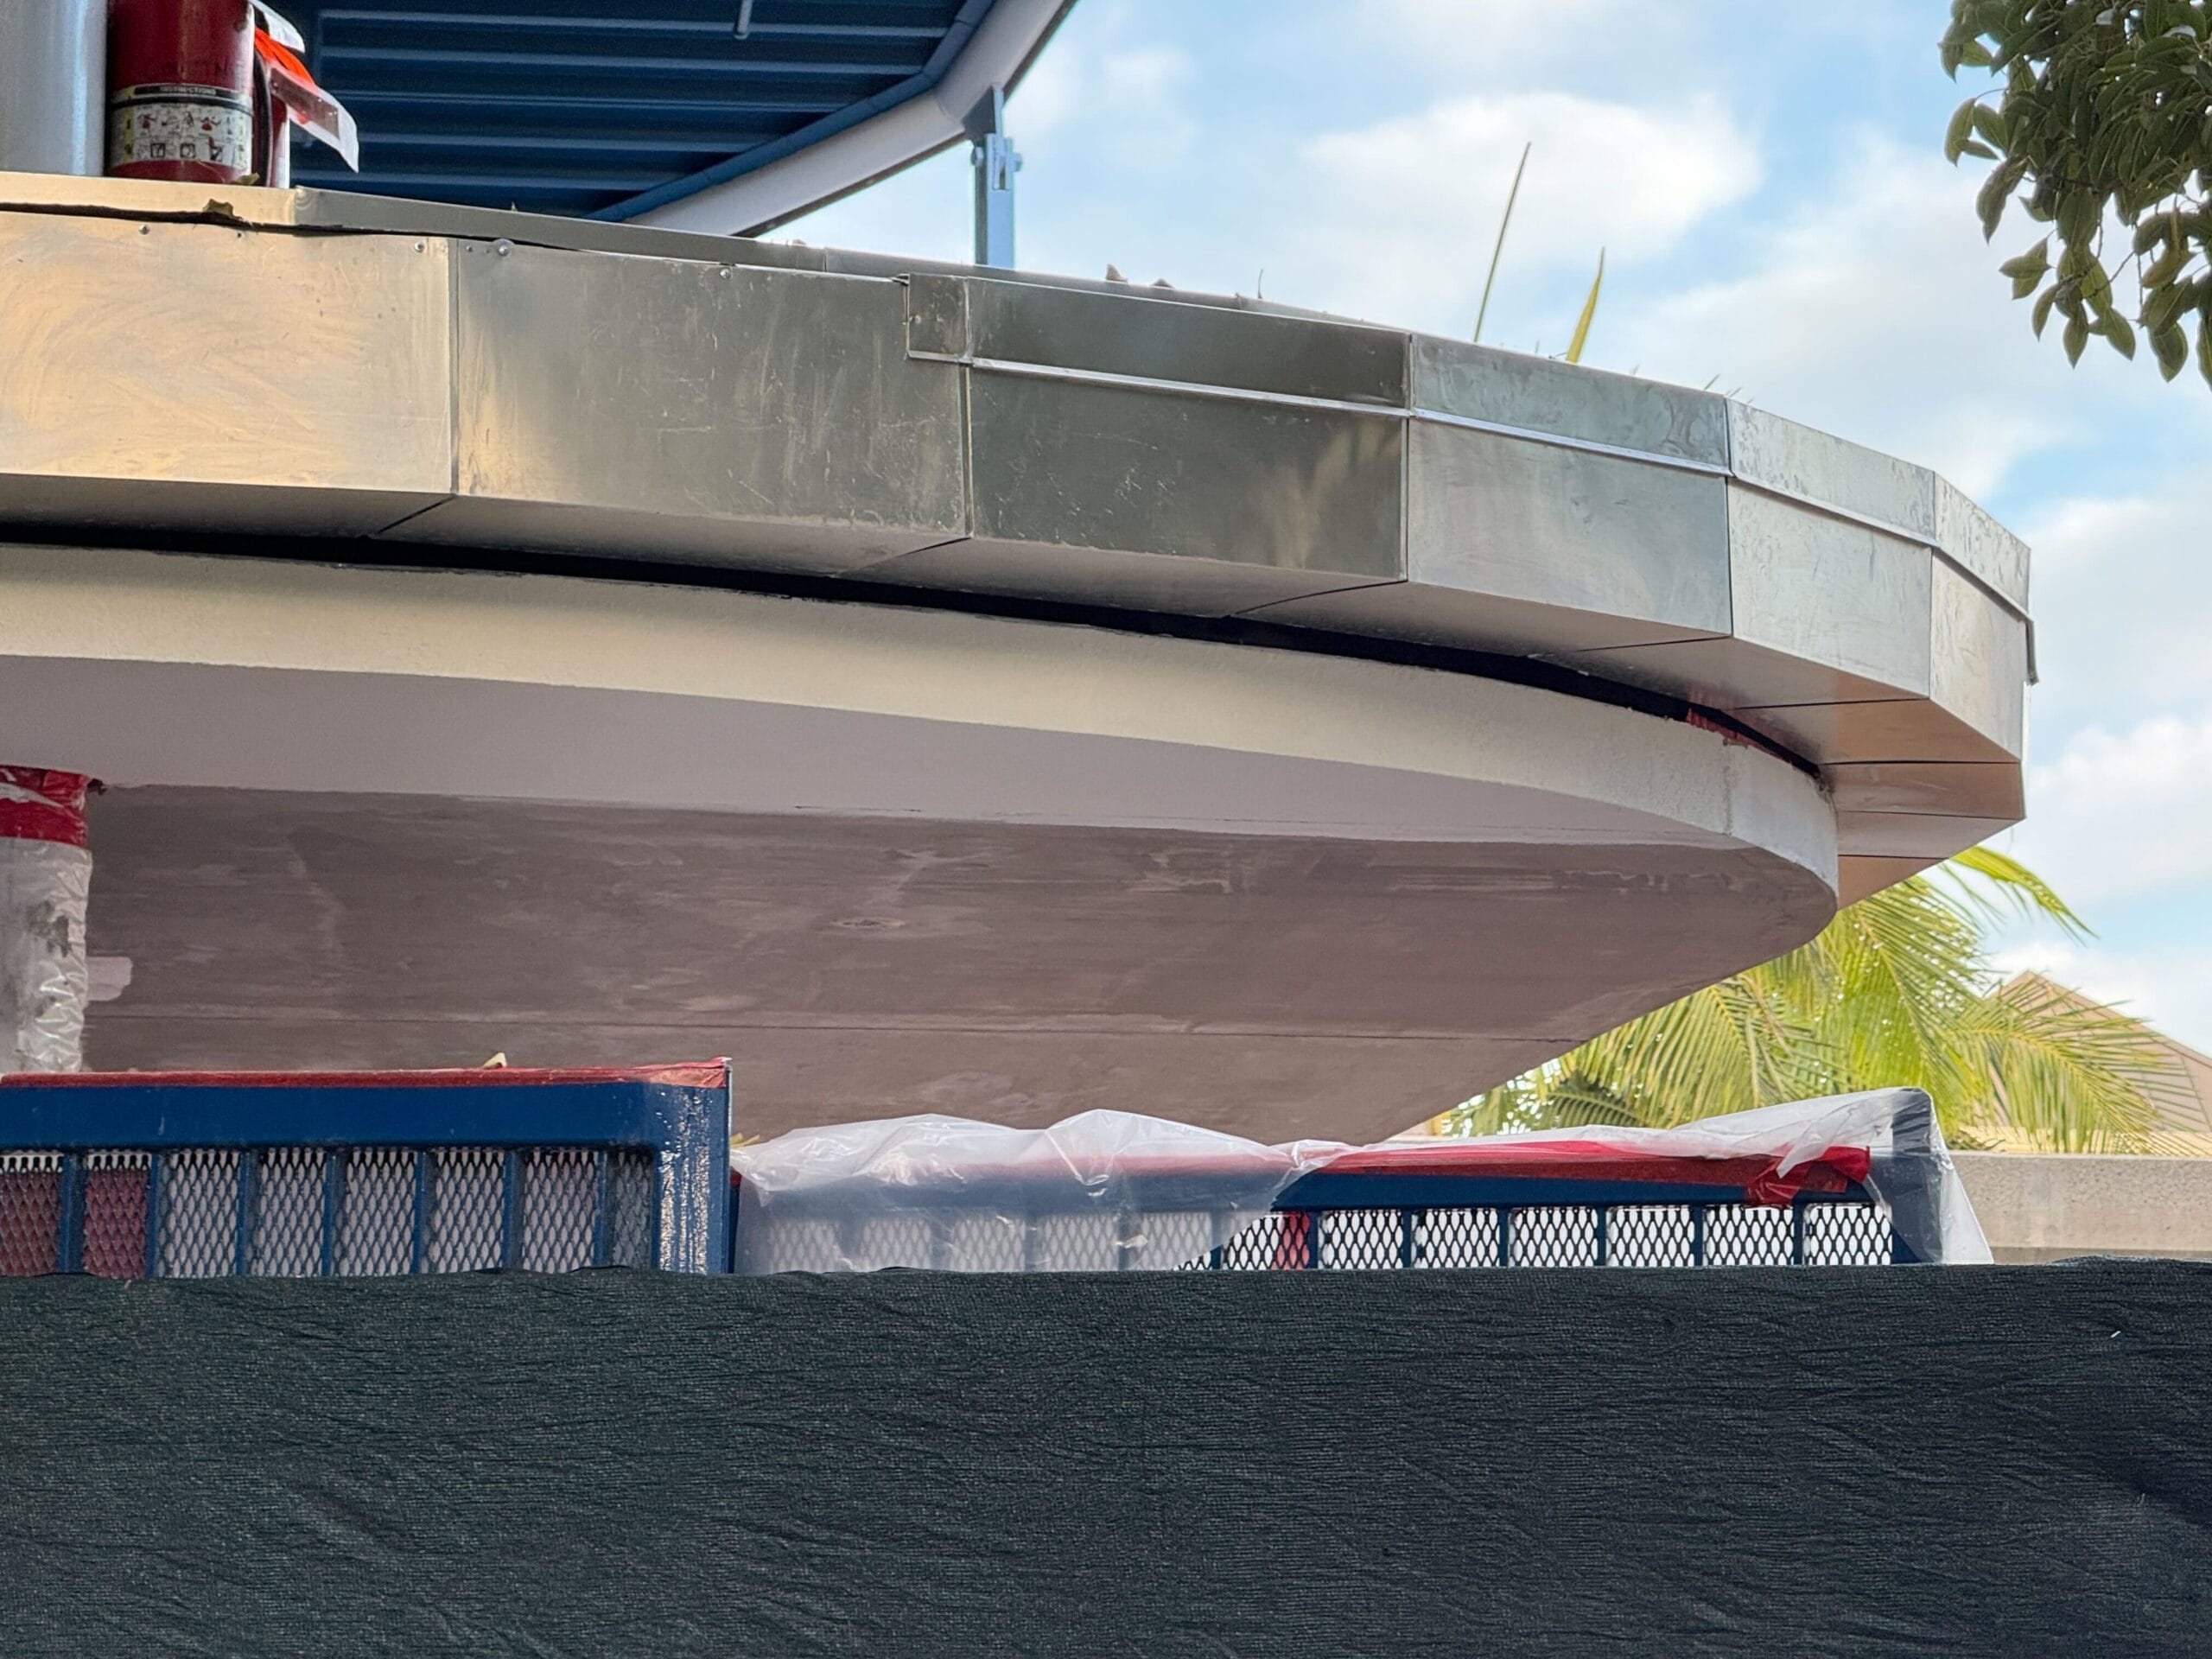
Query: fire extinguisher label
point(179, 124)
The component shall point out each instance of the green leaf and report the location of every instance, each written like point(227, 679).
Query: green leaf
point(2043, 303)
point(2077, 339)
point(2079, 214)
point(2028, 270)
point(1956, 136)
point(2167, 266)
point(2163, 306)
point(1996, 191)
point(2204, 350)
point(2120, 333)
point(2171, 343)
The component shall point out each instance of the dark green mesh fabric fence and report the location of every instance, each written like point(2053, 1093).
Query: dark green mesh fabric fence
point(1955, 1461)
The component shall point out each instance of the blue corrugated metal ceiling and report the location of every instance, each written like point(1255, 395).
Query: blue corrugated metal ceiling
point(569, 107)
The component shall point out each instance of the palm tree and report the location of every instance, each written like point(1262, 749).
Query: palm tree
point(1898, 989)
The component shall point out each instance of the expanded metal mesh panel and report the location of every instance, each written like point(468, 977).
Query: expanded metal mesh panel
point(302, 1211)
point(1847, 1236)
point(1272, 1242)
point(1739, 1236)
point(987, 1244)
point(1840, 1233)
point(466, 1210)
point(799, 1247)
point(198, 1204)
point(1176, 1235)
point(632, 1202)
point(558, 1222)
point(286, 1242)
point(1564, 1235)
point(376, 1215)
point(30, 1212)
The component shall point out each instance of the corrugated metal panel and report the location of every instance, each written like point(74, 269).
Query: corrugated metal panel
point(575, 106)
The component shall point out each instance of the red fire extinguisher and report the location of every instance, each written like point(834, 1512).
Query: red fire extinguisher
point(208, 90)
point(179, 80)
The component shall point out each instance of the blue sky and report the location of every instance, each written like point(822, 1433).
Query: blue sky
point(1769, 185)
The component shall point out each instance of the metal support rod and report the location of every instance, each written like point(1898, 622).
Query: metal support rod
point(511, 1199)
point(69, 1235)
point(996, 162)
point(602, 1212)
point(156, 1169)
point(419, 1227)
point(334, 1210)
point(248, 1205)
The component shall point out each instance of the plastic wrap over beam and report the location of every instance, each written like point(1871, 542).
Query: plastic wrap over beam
point(1108, 1191)
point(1102, 1190)
point(46, 877)
point(1884, 1140)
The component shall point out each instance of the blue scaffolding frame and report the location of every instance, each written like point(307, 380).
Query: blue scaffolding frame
point(667, 1126)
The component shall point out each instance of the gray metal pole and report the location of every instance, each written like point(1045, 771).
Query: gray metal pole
point(53, 86)
point(996, 165)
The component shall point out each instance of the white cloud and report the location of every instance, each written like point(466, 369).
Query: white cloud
point(1142, 87)
point(2120, 815)
point(1876, 310)
point(2121, 623)
point(1398, 218)
point(1497, 33)
point(1144, 80)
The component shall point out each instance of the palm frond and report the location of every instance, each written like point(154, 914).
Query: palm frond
point(2027, 893)
point(1589, 314)
point(1497, 252)
point(1896, 991)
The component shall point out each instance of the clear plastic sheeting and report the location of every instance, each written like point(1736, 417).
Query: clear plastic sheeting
point(1108, 1191)
point(46, 878)
point(1905, 1165)
point(1103, 1190)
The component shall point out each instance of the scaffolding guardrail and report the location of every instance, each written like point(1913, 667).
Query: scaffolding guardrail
point(248, 1174)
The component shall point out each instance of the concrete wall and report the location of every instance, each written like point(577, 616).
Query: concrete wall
point(2039, 1207)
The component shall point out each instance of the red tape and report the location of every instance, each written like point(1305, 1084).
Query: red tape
point(39, 805)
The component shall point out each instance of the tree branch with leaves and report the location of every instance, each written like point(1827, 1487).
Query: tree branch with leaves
point(2101, 123)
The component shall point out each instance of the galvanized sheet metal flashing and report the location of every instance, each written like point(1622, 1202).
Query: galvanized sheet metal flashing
point(461, 378)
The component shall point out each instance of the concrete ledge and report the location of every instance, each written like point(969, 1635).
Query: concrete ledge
point(2039, 1207)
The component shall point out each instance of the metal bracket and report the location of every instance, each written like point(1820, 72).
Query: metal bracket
point(996, 162)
